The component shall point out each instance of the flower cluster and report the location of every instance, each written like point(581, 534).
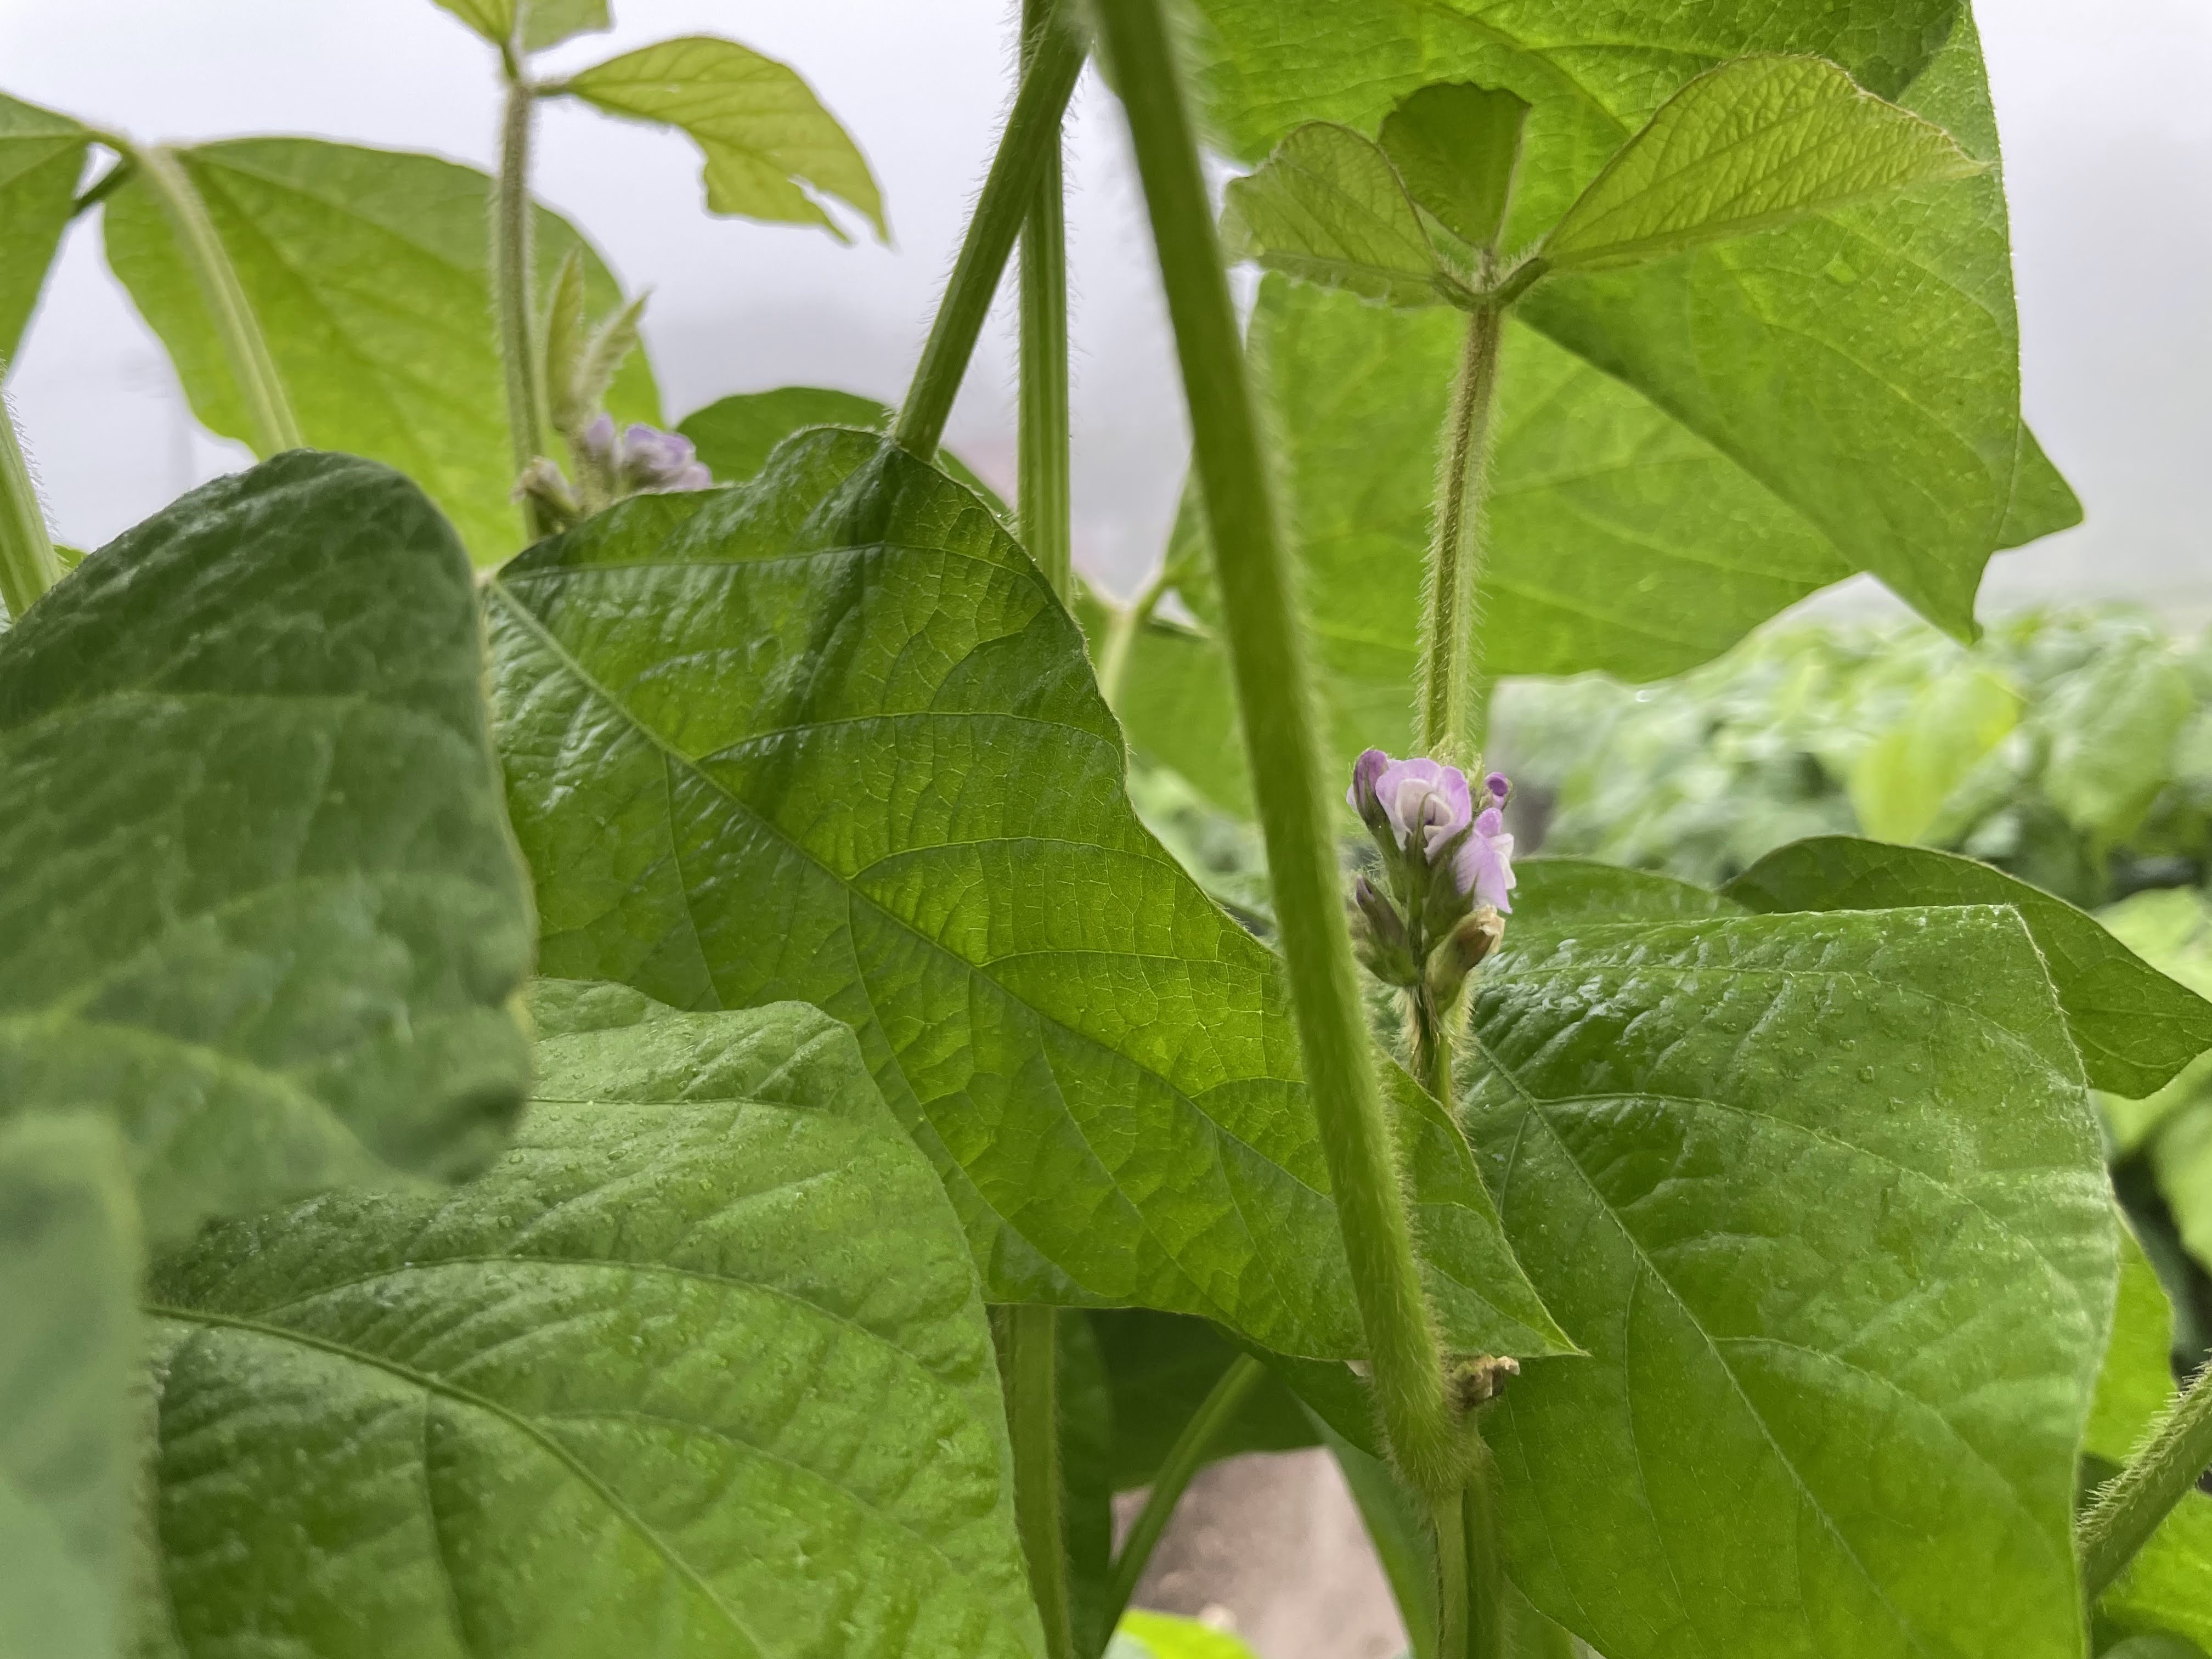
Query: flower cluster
point(1447, 873)
point(642, 460)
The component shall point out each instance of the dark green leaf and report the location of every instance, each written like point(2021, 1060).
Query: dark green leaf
point(1161, 1367)
point(41, 158)
point(735, 434)
point(771, 149)
point(1755, 145)
point(369, 272)
point(1457, 147)
point(830, 735)
point(1558, 897)
point(1823, 1198)
point(1327, 207)
point(2135, 1382)
point(258, 897)
point(70, 1352)
point(1086, 1453)
point(2135, 1027)
point(699, 1366)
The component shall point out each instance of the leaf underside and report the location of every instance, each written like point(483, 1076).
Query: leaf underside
point(41, 159)
point(830, 735)
point(578, 1407)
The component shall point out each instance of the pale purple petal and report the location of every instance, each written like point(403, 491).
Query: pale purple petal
point(1420, 794)
point(1498, 787)
point(1370, 765)
point(598, 441)
point(1484, 867)
point(655, 460)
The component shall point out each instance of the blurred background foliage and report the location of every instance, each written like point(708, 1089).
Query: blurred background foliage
point(2070, 747)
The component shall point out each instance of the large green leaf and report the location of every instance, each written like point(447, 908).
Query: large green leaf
point(1823, 1198)
point(1682, 449)
point(41, 158)
point(368, 270)
point(69, 1357)
point(700, 1366)
point(2134, 1028)
point(544, 22)
point(258, 897)
point(771, 149)
point(830, 735)
point(1757, 143)
point(735, 436)
point(1328, 208)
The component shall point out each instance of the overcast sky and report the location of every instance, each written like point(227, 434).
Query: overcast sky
point(2108, 152)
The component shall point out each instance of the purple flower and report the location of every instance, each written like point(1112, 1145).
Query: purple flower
point(1426, 799)
point(1484, 868)
point(655, 462)
point(1498, 787)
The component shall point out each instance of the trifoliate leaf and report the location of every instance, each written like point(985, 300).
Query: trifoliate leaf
point(41, 159)
point(1457, 147)
point(1327, 208)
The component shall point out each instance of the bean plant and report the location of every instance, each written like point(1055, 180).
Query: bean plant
point(598, 1062)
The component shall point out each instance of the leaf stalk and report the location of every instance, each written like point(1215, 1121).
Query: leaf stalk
point(1045, 491)
point(513, 281)
point(1029, 1361)
point(1028, 145)
point(272, 429)
point(1449, 708)
point(28, 566)
point(2129, 1507)
point(1174, 1476)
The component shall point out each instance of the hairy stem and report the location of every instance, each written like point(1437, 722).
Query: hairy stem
point(1030, 144)
point(512, 270)
point(1043, 490)
point(1028, 1362)
point(28, 566)
point(1174, 1478)
point(2129, 1506)
point(270, 427)
point(1267, 659)
point(1450, 665)
point(1447, 1515)
point(1483, 1553)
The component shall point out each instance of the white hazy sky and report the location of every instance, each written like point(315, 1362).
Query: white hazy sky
point(2108, 152)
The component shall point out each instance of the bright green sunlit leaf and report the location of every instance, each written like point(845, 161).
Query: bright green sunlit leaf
point(260, 902)
point(1753, 145)
point(41, 159)
point(1327, 207)
point(1823, 1198)
point(1455, 147)
point(699, 1366)
point(544, 22)
point(734, 435)
point(1143, 1635)
point(829, 736)
point(771, 149)
point(1898, 786)
point(369, 271)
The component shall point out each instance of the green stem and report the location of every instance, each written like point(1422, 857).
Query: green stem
point(1030, 144)
point(270, 427)
point(1174, 1477)
point(1450, 668)
point(27, 565)
point(1267, 659)
point(513, 271)
point(1447, 1515)
point(1044, 488)
point(1028, 1366)
point(1433, 1047)
point(1484, 1552)
point(1121, 637)
point(2129, 1506)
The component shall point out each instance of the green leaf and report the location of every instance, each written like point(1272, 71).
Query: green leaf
point(1823, 1198)
point(1328, 208)
point(2164, 1589)
point(2112, 731)
point(772, 151)
point(1558, 897)
point(2171, 929)
point(41, 158)
point(830, 735)
point(1457, 147)
point(1898, 786)
point(1143, 1635)
point(1757, 144)
point(2134, 1027)
point(1086, 1452)
point(578, 1407)
point(260, 900)
point(1704, 440)
point(368, 270)
point(71, 1354)
point(734, 435)
point(1399, 1529)
point(544, 22)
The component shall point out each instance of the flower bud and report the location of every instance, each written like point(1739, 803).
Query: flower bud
point(1499, 787)
point(1361, 797)
point(655, 462)
point(542, 481)
point(1378, 936)
point(1463, 949)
